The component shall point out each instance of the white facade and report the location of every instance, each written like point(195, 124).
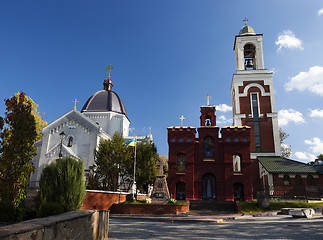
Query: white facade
point(83, 133)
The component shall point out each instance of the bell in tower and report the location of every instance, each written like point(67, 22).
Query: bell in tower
point(252, 91)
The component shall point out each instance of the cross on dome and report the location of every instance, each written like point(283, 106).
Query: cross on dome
point(109, 68)
point(245, 20)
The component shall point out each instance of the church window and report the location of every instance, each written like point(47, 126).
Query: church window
point(298, 180)
point(181, 163)
point(236, 139)
point(189, 140)
point(244, 139)
point(228, 139)
point(236, 163)
point(286, 180)
point(310, 180)
point(255, 113)
point(208, 147)
point(172, 140)
point(70, 141)
point(180, 140)
point(249, 57)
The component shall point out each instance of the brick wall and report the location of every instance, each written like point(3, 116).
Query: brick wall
point(103, 200)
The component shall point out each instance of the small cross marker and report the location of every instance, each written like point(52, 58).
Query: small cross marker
point(208, 97)
point(75, 101)
point(109, 68)
point(182, 119)
point(245, 20)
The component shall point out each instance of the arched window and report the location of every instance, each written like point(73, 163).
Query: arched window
point(236, 163)
point(208, 148)
point(298, 180)
point(286, 180)
point(70, 141)
point(249, 56)
point(310, 180)
point(208, 121)
point(181, 163)
point(181, 140)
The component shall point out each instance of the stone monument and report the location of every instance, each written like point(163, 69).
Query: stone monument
point(160, 191)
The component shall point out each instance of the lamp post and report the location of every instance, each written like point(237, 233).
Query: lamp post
point(61, 136)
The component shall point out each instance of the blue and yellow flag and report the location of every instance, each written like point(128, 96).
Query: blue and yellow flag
point(131, 143)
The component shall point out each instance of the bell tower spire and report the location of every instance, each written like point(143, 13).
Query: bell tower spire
point(253, 94)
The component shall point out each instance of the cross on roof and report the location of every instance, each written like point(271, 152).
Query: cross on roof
point(245, 20)
point(208, 97)
point(75, 101)
point(109, 68)
point(182, 119)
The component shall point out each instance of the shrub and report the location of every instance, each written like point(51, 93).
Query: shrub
point(24, 214)
point(171, 201)
point(51, 208)
point(8, 211)
point(62, 182)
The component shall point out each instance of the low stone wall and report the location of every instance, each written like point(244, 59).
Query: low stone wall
point(80, 224)
point(149, 209)
point(103, 200)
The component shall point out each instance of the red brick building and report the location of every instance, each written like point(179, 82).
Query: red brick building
point(209, 166)
point(246, 158)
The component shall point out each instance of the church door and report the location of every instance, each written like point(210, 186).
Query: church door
point(209, 186)
point(180, 191)
point(238, 191)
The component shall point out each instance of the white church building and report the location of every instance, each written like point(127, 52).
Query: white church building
point(79, 133)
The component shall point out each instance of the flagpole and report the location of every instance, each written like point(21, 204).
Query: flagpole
point(134, 169)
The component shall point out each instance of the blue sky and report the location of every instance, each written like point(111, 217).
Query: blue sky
point(167, 56)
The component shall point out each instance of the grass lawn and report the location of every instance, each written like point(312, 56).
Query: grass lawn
point(252, 207)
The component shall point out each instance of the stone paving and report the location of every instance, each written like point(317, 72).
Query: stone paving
point(208, 227)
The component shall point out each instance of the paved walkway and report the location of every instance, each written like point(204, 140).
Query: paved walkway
point(265, 226)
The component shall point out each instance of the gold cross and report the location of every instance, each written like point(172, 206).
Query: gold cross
point(245, 20)
point(75, 101)
point(109, 68)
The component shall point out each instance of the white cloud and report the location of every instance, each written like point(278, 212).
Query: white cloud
point(316, 145)
point(311, 81)
point(223, 120)
point(316, 113)
point(286, 116)
point(223, 108)
point(287, 39)
point(320, 12)
point(304, 156)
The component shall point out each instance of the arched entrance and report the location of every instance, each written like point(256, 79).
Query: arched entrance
point(209, 186)
point(180, 191)
point(238, 191)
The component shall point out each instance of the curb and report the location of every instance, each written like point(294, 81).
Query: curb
point(180, 219)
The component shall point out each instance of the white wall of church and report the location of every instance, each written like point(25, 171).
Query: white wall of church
point(110, 122)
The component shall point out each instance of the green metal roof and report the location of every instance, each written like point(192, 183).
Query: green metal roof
point(284, 165)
